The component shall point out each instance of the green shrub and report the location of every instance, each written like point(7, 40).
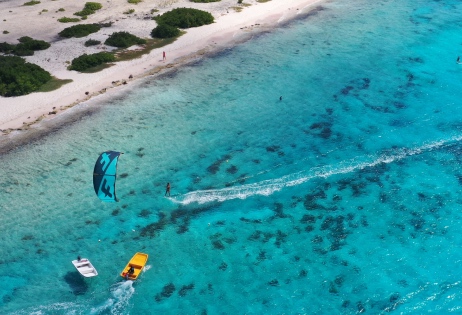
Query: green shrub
point(34, 44)
point(123, 40)
point(26, 47)
point(6, 48)
point(61, 10)
point(134, 1)
point(32, 2)
point(185, 18)
point(86, 62)
point(84, 12)
point(68, 20)
point(204, 1)
point(18, 77)
point(93, 6)
point(80, 30)
point(165, 31)
point(130, 11)
point(92, 42)
point(90, 8)
point(6, 32)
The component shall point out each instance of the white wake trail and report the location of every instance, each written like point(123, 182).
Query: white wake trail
point(268, 187)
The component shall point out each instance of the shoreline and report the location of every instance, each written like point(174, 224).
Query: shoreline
point(201, 42)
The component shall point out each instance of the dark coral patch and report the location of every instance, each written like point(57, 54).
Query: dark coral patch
point(184, 289)
point(144, 213)
point(167, 291)
point(232, 169)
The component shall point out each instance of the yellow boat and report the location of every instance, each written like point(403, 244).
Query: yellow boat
point(134, 267)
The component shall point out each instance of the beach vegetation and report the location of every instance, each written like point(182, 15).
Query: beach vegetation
point(123, 40)
point(204, 1)
point(86, 62)
point(134, 1)
point(154, 11)
point(151, 44)
point(185, 18)
point(68, 20)
point(44, 10)
point(90, 8)
point(80, 30)
point(61, 10)
point(165, 31)
point(26, 47)
point(53, 84)
point(129, 11)
point(263, 1)
point(92, 42)
point(107, 24)
point(18, 77)
point(239, 1)
point(6, 32)
point(33, 2)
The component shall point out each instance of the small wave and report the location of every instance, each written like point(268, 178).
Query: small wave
point(268, 187)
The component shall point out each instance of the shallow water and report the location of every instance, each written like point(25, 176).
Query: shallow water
point(342, 197)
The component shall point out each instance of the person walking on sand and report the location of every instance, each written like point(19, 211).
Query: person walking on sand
point(164, 57)
point(167, 190)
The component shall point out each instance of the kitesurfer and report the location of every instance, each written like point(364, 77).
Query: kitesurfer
point(167, 190)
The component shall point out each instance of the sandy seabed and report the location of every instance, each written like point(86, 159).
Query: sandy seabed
point(234, 23)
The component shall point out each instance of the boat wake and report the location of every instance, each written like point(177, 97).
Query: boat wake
point(121, 293)
point(268, 187)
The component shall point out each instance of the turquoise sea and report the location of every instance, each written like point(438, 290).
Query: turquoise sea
point(341, 198)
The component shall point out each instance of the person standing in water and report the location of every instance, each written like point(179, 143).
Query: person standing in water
point(167, 190)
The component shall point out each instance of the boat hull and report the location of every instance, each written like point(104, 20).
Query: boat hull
point(137, 262)
point(85, 267)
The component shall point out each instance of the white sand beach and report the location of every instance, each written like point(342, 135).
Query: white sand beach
point(40, 21)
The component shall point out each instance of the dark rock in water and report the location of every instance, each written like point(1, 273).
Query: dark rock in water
point(76, 282)
point(274, 282)
point(232, 169)
point(360, 307)
point(394, 297)
point(184, 289)
point(317, 239)
point(309, 228)
point(123, 175)
point(167, 291)
point(332, 288)
point(273, 148)
point(303, 273)
point(116, 212)
point(339, 280)
point(223, 266)
point(307, 218)
point(346, 304)
point(217, 244)
point(346, 90)
point(144, 213)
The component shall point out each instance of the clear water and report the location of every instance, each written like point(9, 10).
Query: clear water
point(342, 197)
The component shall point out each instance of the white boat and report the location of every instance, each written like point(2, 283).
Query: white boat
point(85, 267)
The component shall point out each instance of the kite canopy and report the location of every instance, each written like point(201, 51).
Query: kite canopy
point(104, 176)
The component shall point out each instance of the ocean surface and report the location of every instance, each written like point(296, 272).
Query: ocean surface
point(343, 197)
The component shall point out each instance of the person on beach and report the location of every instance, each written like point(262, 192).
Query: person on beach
point(167, 190)
point(164, 57)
